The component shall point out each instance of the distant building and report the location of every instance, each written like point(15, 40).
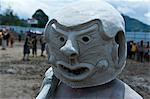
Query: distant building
point(33, 22)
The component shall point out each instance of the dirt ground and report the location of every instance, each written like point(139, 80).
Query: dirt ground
point(22, 80)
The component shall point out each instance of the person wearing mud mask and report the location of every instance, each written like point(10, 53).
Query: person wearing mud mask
point(87, 50)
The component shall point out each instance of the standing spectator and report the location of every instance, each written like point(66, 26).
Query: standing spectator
point(4, 39)
point(129, 45)
point(146, 52)
point(42, 42)
point(11, 39)
point(26, 49)
point(138, 52)
point(133, 50)
point(1, 37)
point(141, 50)
point(34, 46)
point(19, 37)
point(7, 38)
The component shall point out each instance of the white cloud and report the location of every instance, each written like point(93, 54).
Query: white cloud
point(125, 10)
point(128, 0)
point(25, 8)
point(147, 14)
point(133, 8)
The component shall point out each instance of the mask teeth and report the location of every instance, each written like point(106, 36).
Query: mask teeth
point(73, 61)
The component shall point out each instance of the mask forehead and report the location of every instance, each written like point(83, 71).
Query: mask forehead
point(79, 29)
point(88, 10)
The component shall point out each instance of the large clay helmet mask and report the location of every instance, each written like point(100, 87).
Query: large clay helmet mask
point(106, 42)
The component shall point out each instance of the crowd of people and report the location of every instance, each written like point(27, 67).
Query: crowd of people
point(139, 51)
point(31, 41)
point(6, 38)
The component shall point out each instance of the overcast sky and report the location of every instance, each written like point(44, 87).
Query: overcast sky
point(139, 9)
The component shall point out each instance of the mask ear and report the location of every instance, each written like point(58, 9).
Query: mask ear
point(110, 32)
point(118, 51)
point(48, 29)
point(122, 48)
point(103, 33)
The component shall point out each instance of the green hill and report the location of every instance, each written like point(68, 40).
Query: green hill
point(135, 25)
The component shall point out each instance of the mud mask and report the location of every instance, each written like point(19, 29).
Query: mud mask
point(80, 56)
point(87, 54)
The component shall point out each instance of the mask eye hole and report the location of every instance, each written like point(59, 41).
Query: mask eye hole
point(85, 39)
point(62, 39)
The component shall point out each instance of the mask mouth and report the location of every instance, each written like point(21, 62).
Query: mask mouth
point(76, 72)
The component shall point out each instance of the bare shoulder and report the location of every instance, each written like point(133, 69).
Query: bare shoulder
point(130, 93)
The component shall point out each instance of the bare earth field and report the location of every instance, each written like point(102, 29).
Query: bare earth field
point(22, 80)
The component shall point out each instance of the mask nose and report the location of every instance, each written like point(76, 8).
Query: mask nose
point(69, 50)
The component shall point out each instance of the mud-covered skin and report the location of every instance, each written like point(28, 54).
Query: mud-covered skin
point(115, 88)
